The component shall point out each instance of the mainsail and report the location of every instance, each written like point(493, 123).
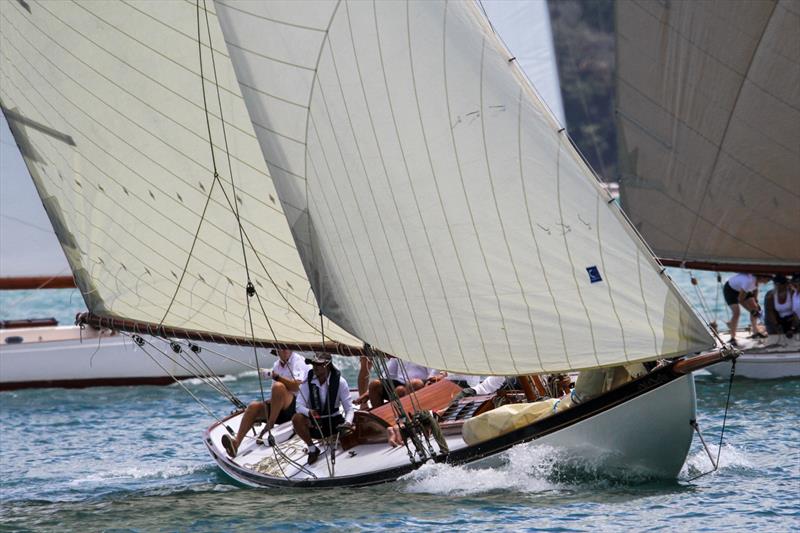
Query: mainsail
point(440, 211)
point(106, 102)
point(708, 107)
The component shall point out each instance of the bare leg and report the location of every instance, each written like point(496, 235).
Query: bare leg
point(363, 375)
point(255, 411)
point(733, 325)
point(301, 427)
point(400, 390)
point(376, 393)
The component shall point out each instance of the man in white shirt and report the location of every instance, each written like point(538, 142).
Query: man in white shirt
point(288, 372)
point(318, 403)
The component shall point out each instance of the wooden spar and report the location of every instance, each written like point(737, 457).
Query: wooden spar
point(36, 282)
point(149, 328)
point(731, 267)
point(690, 364)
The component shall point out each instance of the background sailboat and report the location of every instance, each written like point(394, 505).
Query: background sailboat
point(708, 108)
point(392, 157)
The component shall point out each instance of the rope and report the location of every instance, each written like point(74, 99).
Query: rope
point(222, 355)
point(722, 431)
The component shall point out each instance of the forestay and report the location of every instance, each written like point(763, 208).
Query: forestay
point(106, 103)
point(708, 97)
point(440, 211)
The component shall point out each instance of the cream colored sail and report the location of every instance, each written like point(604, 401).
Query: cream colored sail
point(441, 212)
point(708, 97)
point(106, 102)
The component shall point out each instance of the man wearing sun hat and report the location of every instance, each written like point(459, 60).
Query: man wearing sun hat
point(318, 403)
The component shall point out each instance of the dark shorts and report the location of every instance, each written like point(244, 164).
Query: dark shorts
point(284, 416)
point(732, 296)
point(785, 325)
point(325, 427)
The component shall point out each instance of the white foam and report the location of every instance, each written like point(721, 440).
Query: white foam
point(137, 472)
point(525, 468)
point(730, 458)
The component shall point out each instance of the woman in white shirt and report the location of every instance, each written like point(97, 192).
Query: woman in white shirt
point(742, 289)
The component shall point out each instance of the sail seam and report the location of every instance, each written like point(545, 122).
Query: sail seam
point(490, 177)
point(566, 248)
point(438, 191)
point(276, 21)
point(349, 176)
point(388, 182)
point(410, 182)
point(335, 224)
point(306, 156)
point(718, 146)
point(533, 230)
point(458, 165)
point(598, 206)
point(644, 301)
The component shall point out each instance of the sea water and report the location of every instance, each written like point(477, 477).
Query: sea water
point(132, 458)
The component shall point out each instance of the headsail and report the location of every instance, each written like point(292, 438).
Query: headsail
point(441, 212)
point(106, 103)
point(708, 97)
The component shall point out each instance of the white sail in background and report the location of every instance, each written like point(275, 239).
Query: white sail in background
point(524, 26)
point(28, 246)
point(440, 211)
point(708, 97)
point(106, 103)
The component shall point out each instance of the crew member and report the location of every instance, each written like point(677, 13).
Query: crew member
point(778, 314)
point(288, 372)
point(742, 289)
point(318, 416)
point(404, 377)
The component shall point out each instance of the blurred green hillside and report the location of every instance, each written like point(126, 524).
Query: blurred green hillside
point(583, 31)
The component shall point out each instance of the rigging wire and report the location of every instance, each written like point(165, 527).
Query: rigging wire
point(141, 342)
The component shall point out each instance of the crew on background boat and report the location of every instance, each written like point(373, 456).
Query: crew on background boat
point(779, 318)
point(288, 372)
point(796, 296)
point(742, 290)
point(321, 394)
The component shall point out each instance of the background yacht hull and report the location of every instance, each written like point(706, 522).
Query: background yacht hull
point(775, 357)
point(65, 356)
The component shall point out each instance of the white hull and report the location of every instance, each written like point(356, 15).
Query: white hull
point(649, 434)
point(775, 357)
point(65, 356)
